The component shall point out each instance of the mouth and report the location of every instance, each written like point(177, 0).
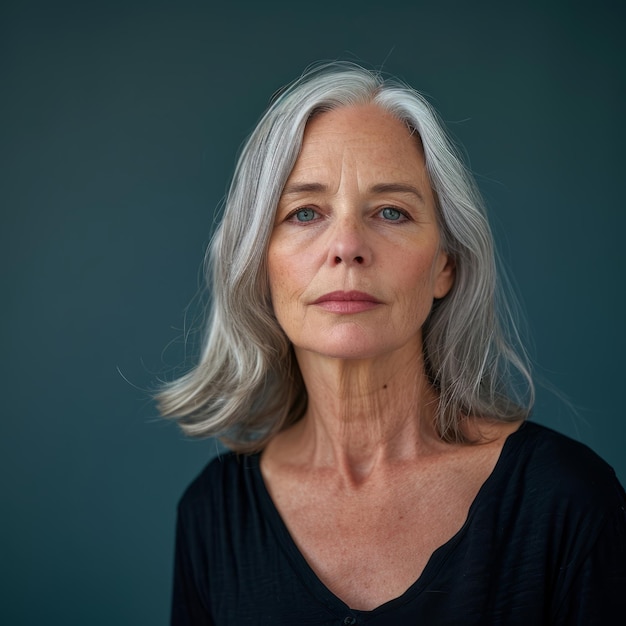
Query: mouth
point(347, 302)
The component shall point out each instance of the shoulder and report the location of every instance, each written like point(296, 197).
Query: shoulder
point(224, 476)
point(573, 520)
point(555, 465)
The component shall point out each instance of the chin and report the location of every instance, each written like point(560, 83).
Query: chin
point(354, 341)
point(352, 350)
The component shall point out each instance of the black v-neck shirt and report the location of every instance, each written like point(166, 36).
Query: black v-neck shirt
point(544, 543)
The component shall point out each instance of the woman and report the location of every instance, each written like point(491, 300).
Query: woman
point(362, 368)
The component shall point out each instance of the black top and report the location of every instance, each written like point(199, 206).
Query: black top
point(544, 543)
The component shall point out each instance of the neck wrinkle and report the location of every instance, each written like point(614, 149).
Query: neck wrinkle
point(366, 415)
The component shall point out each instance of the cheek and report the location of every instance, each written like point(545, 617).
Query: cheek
point(290, 271)
point(277, 271)
point(420, 271)
point(417, 284)
point(286, 285)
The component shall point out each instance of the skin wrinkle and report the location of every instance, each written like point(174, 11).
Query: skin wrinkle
point(346, 177)
point(248, 360)
point(364, 483)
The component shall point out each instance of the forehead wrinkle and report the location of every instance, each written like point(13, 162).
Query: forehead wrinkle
point(349, 162)
point(325, 171)
point(332, 150)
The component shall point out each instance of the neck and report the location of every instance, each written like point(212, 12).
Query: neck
point(365, 413)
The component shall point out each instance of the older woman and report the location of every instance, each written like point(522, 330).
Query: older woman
point(363, 370)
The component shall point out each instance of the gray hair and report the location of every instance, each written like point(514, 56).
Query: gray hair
point(247, 386)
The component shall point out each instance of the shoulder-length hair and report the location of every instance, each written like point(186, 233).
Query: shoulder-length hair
point(246, 386)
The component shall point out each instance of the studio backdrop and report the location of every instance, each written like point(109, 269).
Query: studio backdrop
point(121, 123)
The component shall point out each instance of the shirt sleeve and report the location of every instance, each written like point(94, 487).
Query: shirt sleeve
point(596, 594)
point(188, 608)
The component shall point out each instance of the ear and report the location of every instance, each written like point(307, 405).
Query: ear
point(445, 274)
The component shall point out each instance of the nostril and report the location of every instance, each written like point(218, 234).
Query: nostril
point(358, 259)
point(337, 259)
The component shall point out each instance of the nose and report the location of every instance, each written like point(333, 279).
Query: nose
point(349, 244)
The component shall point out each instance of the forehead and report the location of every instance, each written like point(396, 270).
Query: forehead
point(362, 137)
point(364, 123)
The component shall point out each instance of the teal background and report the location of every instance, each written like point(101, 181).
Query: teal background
point(120, 125)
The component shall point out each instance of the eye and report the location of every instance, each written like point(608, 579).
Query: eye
point(391, 214)
point(304, 215)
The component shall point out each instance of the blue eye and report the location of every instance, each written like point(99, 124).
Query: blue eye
point(389, 213)
point(305, 215)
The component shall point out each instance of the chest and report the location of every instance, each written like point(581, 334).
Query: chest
point(369, 547)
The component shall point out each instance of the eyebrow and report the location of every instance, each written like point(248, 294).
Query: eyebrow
point(296, 188)
point(379, 188)
point(397, 188)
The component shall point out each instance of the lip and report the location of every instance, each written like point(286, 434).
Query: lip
point(347, 302)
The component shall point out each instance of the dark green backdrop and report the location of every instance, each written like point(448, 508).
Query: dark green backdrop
point(120, 126)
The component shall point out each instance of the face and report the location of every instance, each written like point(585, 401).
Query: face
point(354, 259)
